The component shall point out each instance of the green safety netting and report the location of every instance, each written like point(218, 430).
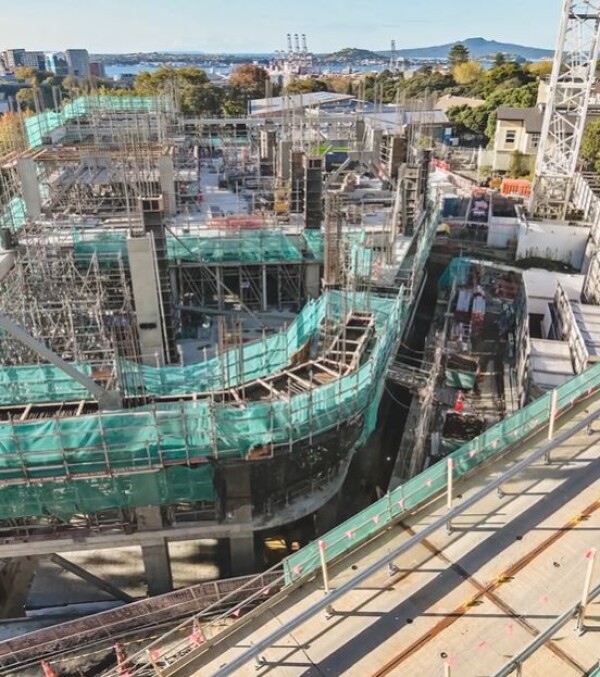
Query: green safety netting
point(316, 243)
point(233, 367)
point(425, 242)
point(457, 271)
point(255, 246)
point(192, 432)
point(65, 499)
point(13, 215)
point(426, 486)
point(37, 127)
point(465, 380)
point(41, 383)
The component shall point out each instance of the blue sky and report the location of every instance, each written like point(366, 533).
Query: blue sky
point(261, 25)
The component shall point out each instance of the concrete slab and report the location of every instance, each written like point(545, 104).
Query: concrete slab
point(473, 599)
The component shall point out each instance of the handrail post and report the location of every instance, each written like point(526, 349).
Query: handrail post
point(591, 557)
point(449, 471)
point(553, 407)
point(329, 611)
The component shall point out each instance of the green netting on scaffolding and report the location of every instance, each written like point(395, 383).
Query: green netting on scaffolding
point(233, 367)
point(13, 215)
point(38, 127)
point(316, 243)
point(253, 360)
point(41, 383)
point(457, 271)
point(255, 246)
point(361, 261)
point(433, 481)
point(64, 499)
point(425, 242)
point(108, 247)
point(191, 432)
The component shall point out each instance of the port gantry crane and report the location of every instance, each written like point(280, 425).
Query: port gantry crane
point(571, 82)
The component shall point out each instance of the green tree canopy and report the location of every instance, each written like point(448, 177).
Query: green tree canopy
point(458, 54)
point(590, 146)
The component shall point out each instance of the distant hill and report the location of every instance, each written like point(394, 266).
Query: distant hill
point(479, 49)
point(352, 54)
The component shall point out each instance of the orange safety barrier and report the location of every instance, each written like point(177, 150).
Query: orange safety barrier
point(238, 222)
point(520, 187)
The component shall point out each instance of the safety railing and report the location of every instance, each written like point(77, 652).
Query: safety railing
point(195, 637)
point(430, 483)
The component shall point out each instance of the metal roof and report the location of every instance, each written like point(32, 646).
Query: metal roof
point(280, 104)
point(532, 118)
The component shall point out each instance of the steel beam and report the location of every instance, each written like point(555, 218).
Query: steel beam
point(106, 399)
point(97, 582)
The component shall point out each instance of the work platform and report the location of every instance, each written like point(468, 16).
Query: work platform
point(467, 602)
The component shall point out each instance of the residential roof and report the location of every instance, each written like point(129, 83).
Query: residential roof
point(448, 101)
point(392, 120)
point(531, 117)
point(279, 104)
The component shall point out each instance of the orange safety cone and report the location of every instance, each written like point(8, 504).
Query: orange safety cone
point(48, 671)
point(123, 668)
point(459, 405)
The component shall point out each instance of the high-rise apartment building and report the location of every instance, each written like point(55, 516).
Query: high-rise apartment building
point(78, 61)
point(97, 69)
point(57, 63)
point(34, 60)
point(13, 58)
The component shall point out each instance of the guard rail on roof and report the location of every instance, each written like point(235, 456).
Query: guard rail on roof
point(195, 637)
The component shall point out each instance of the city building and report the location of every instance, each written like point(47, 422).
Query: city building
point(78, 61)
point(97, 69)
point(57, 63)
point(13, 58)
point(35, 60)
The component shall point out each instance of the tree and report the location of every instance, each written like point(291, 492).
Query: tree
point(500, 59)
point(11, 133)
point(249, 77)
point(467, 72)
point(541, 69)
point(590, 146)
point(306, 86)
point(518, 167)
point(458, 54)
point(510, 74)
point(166, 78)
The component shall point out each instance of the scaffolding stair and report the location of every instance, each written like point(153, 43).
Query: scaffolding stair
point(411, 378)
point(132, 619)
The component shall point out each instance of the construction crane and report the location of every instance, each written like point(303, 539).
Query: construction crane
point(573, 75)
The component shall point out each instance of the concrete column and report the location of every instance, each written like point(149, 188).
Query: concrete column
point(157, 564)
point(31, 187)
point(243, 555)
point(264, 288)
point(146, 298)
point(167, 184)
point(239, 510)
point(157, 567)
point(312, 278)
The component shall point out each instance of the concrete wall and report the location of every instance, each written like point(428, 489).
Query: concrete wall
point(501, 231)
point(566, 244)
